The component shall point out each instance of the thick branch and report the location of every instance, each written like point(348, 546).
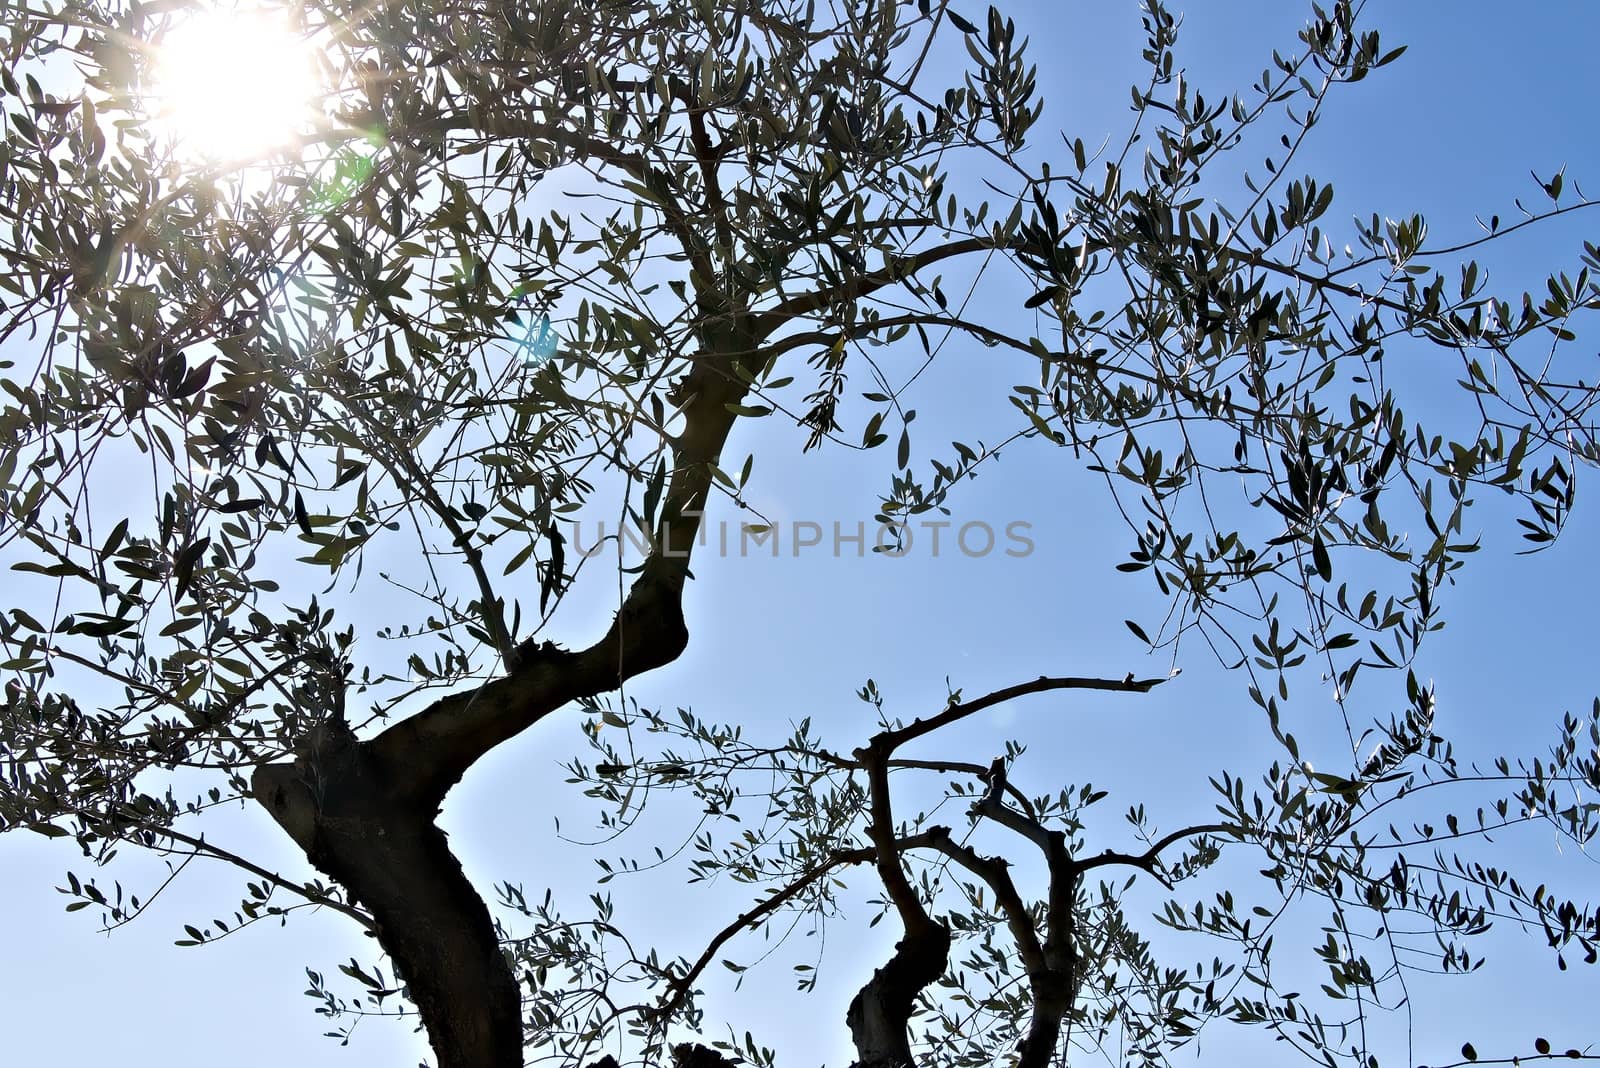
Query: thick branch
point(993, 808)
point(879, 1015)
point(363, 810)
point(880, 829)
point(1053, 973)
point(996, 873)
point(433, 749)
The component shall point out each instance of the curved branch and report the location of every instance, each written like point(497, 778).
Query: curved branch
point(879, 1015)
point(1146, 861)
point(748, 918)
point(995, 872)
point(961, 710)
point(897, 270)
point(1051, 964)
point(427, 753)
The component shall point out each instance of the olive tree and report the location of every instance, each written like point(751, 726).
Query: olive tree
point(531, 262)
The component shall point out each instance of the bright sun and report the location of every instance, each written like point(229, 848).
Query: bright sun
point(232, 84)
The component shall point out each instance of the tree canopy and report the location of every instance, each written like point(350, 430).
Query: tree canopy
point(524, 269)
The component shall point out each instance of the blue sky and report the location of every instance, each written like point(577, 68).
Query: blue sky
point(1484, 93)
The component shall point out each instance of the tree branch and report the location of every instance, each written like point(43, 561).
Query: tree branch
point(427, 753)
point(1146, 861)
point(960, 766)
point(898, 269)
point(916, 729)
point(880, 1013)
point(681, 984)
point(1052, 965)
point(201, 846)
point(995, 872)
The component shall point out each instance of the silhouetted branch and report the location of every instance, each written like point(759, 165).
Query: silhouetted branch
point(893, 739)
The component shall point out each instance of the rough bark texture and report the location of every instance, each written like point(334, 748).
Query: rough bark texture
point(395, 863)
point(363, 810)
point(879, 1015)
point(1054, 983)
point(1053, 997)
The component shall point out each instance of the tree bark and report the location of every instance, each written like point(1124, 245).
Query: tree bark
point(363, 810)
point(879, 1016)
point(394, 861)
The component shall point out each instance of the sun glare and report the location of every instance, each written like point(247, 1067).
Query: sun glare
point(230, 85)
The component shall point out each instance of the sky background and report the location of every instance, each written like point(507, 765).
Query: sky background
point(1485, 92)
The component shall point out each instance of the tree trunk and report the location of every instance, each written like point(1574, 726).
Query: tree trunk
point(1053, 996)
point(879, 1016)
point(363, 810)
point(394, 861)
